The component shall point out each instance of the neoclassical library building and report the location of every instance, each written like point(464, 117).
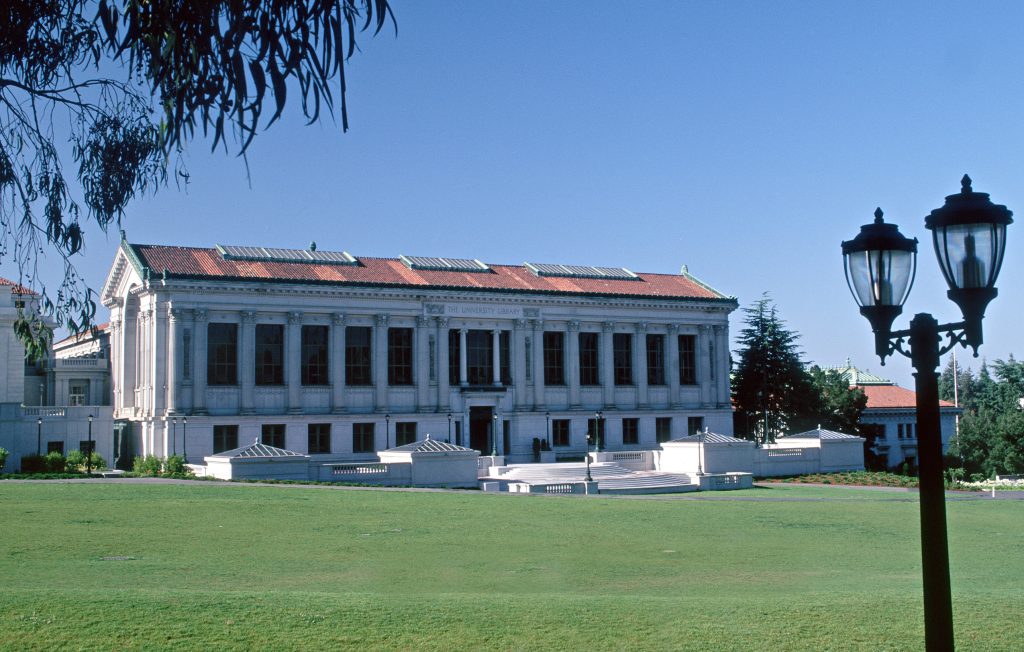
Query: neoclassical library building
point(340, 357)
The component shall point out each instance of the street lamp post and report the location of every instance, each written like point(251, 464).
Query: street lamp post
point(969, 236)
point(39, 435)
point(597, 431)
point(494, 435)
point(586, 457)
point(387, 431)
point(88, 452)
point(184, 438)
point(547, 416)
point(700, 451)
point(174, 436)
point(449, 427)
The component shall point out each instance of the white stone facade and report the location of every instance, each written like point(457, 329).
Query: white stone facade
point(159, 327)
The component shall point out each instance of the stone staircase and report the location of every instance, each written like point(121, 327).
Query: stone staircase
point(610, 477)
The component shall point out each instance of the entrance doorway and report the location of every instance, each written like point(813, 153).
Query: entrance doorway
point(480, 423)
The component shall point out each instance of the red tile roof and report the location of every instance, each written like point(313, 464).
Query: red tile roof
point(893, 396)
point(83, 336)
point(16, 288)
point(195, 262)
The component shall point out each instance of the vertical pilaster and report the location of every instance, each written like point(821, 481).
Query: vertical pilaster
point(173, 355)
point(673, 365)
point(247, 362)
point(443, 390)
point(720, 365)
point(640, 363)
point(572, 363)
point(538, 364)
point(336, 356)
point(199, 363)
point(421, 370)
point(380, 362)
point(293, 362)
point(704, 363)
point(516, 358)
point(607, 362)
point(116, 362)
point(463, 364)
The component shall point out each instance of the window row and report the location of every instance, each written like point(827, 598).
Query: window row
point(630, 430)
point(318, 437)
point(223, 357)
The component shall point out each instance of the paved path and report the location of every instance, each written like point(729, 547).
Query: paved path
point(911, 494)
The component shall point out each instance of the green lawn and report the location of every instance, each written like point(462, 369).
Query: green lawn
point(211, 566)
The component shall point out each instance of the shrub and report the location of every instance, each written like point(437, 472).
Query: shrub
point(148, 465)
point(3, 457)
point(33, 464)
point(75, 461)
point(175, 465)
point(54, 462)
point(97, 461)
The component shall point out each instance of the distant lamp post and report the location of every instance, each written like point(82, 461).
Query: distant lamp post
point(88, 451)
point(184, 438)
point(449, 427)
point(494, 435)
point(174, 436)
point(547, 416)
point(700, 450)
point(969, 236)
point(39, 435)
point(387, 431)
point(598, 418)
point(586, 457)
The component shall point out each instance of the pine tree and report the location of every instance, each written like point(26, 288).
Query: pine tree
point(771, 389)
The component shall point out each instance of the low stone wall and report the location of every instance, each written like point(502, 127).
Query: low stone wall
point(775, 462)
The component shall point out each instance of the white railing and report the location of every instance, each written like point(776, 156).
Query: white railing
point(77, 363)
point(359, 469)
point(42, 411)
point(562, 488)
point(628, 455)
point(784, 452)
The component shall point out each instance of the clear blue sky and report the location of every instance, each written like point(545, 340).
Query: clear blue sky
point(745, 140)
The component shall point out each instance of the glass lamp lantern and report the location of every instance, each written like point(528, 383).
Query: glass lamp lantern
point(969, 234)
point(880, 267)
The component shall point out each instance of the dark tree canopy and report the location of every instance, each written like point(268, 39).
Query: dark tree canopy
point(128, 84)
point(840, 406)
point(771, 389)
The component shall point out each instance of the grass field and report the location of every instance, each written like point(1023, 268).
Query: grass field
point(215, 566)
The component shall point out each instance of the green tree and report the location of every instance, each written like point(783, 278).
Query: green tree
point(771, 389)
point(840, 406)
point(964, 391)
point(129, 84)
point(991, 436)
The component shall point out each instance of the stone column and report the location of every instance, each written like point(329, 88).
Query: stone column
point(572, 363)
point(199, 363)
point(718, 363)
point(703, 348)
point(463, 365)
point(496, 356)
point(380, 362)
point(336, 358)
point(421, 368)
point(293, 362)
point(607, 362)
point(173, 353)
point(673, 365)
point(518, 343)
point(443, 390)
point(640, 363)
point(154, 393)
point(538, 364)
point(247, 362)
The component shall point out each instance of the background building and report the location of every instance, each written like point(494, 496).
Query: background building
point(339, 358)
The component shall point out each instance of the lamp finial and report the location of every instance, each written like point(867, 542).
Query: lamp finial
point(878, 216)
point(965, 184)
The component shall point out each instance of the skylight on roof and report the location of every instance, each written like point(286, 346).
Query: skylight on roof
point(276, 255)
point(582, 271)
point(444, 264)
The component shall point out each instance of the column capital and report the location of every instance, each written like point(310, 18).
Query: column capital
point(608, 326)
point(295, 317)
point(442, 322)
point(641, 327)
point(518, 324)
point(673, 329)
point(338, 318)
point(248, 316)
point(381, 320)
point(574, 325)
point(718, 328)
point(174, 314)
point(422, 321)
point(538, 324)
point(199, 314)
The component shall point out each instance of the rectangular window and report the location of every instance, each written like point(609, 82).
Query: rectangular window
point(454, 342)
point(480, 357)
point(314, 355)
point(910, 431)
point(78, 392)
point(272, 434)
point(694, 425)
point(663, 429)
point(622, 346)
point(225, 438)
point(87, 447)
point(554, 358)
point(269, 354)
point(687, 360)
point(505, 358)
point(528, 359)
point(55, 447)
point(319, 438)
point(357, 356)
point(458, 433)
point(655, 359)
point(362, 438)
point(405, 433)
point(899, 430)
point(222, 354)
point(432, 356)
point(630, 431)
point(596, 425)
point(560, 432)
point(589, 372)
point(399, 356)
point(186, 354)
